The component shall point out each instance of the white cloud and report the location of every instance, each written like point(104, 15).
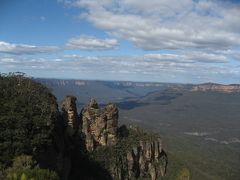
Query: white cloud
point(91, 43)
point(167, 24)
point(147, 67)
point(189, 57)
point(20, 49)
point(206, 57)
point(7, 60)
point(171, 57)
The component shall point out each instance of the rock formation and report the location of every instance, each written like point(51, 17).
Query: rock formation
point(70, 114)
point(144, 160)
point(132, 153)
point(99, 125)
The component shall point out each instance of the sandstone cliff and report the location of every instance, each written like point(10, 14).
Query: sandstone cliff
point(217, 88)
point(99, 125)
point(142, 156)
point(127, 153)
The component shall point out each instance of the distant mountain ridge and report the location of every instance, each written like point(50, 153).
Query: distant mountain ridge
point(117, 91)
point(64, 82)
point(231, 88)
point(214, 87)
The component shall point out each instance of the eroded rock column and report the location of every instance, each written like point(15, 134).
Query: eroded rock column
point(99, 125)
point(70, 114)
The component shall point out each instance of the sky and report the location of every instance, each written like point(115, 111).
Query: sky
point(180, 41)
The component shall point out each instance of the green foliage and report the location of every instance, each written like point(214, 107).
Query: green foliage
point(201, 159)
point(99, 155)
point(28, 112)
point(183, 174)
point(25, 168)
point(212, 112)
point(23, 176)
point(35, 173)
point(23, 162)
point(114, 158)
point(134, 135)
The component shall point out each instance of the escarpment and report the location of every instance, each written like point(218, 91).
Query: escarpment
point(99, 125)
point(127, 153)
point(212, 87)
point(141, 156)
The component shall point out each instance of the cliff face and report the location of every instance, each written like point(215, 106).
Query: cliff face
point(99, 125)
point(131, 153)
point(145, 160)
point(217, 88)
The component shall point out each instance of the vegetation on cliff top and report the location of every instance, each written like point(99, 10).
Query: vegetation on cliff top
point(28, 115)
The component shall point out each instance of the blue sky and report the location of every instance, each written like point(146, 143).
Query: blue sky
point(135, 40)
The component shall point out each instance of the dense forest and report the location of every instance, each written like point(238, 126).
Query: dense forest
point(28, 117)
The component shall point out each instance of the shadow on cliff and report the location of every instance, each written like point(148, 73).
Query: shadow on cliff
point(82, 166)
point(164, 161)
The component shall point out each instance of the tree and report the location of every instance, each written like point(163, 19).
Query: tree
point(28, 115)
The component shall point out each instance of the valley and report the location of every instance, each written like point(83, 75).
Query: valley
point(200, 129)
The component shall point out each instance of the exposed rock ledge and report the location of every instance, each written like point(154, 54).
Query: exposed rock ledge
point(131, 152)
point(147, 160)
point(233, 88)
point(99, 125)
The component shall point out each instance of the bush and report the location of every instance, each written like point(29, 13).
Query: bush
point(25, 168)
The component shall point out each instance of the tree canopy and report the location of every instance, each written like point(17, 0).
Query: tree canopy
point(28, 112)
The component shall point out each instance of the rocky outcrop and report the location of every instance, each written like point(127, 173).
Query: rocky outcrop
point(70, 114)
point(132, 152)
point(217, 88)
point(99, 125)
point(145, 159)
point(152, 159)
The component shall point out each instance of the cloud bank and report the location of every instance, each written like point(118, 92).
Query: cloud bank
point(91, 43)
point(164, 68)
point(166, 24)
point(20, 49)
